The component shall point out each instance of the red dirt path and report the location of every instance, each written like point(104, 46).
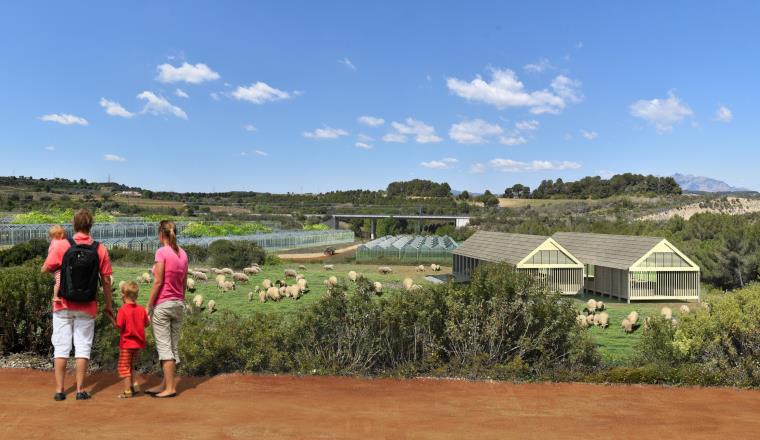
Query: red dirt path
point(268, 407)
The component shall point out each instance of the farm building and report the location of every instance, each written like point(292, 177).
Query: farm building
point(633, 267)
point(408, 249)
point(541, 257)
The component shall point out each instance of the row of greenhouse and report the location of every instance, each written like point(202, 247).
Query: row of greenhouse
point(408, 249)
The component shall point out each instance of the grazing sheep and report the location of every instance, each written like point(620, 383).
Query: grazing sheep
point(213, 269)
point(627, 326)
point(200, 276)
point(435, 267)
point(251, 270)
point(332, 280)
point(590, 319)
point(262, 296)
point(280, 283)
point(303, 285)
point(243, 278)
point(301, 267)
point(300, 277)
point(202, 269)
point(604, 320)
point(273, 293)
point(633, 317)
point(227, 286)
point(211, 306)
point(684, 309)
point(420, 268)
point(352, 275)
point(415, 288)
point(217, 271)
point(599, 306)
point(328, 267)
point(198, 301)
point(190, 284)
point(283, 290)
point(145, 278)
point(290, 273)
point(666, 313)
point(294, 291)
point(267, 283)
point(227, 271)
point(377, 287)
point(591, 305)
point(220, 280)
point(581, 321)
point(408, 283)
point(385, 270)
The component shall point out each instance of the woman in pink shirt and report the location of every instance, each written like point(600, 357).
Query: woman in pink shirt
point(166, 305)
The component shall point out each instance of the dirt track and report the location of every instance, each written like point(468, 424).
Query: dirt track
point(266, 407)
point(317, 255)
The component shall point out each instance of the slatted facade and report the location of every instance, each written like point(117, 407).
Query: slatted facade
point(539, 256)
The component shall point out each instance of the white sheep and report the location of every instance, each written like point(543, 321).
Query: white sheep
point(303, 285)
point(328, 267)
point(273, 293)
point(262, 296)
point(217, 271)
point(200, 276)
point(352, 275)
point(267, 283)
point(600, 306)
point(198, 301)
point(385, 270)
point(220, 278)
point(190, 285)
point(290, 273)
point(591, 305)
point(590, 319)
point(211, 307)
point(415, 288)
point(604, 320)
point(251, 270)
point(627, 326)
point(300, 277)
point(420, 268)
point(435, 267)
point(408, 283)
point(145, 278)
point(666, 313)
point(201, 269)
point(377, 287)
point(581, 321)
point(294, 291)
point(684, 309)
point(227, 286)
point(633, 317)
point(227, 271)
point(301, 267)
point(243, 278)
point(332, 280)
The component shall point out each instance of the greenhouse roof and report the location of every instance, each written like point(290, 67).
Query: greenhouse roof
point(412, 242)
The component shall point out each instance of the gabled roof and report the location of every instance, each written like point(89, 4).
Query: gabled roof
point(499, 246)
point(615, 251)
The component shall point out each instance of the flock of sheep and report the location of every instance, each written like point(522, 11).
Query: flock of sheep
point(594, 315)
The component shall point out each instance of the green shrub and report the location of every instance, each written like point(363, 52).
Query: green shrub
point(18, 254)
point(128, 256)
point(235, 254)
point(195, 229)
point(195, 253)
point(315, 227)
point(61, 217)
point(25, 310)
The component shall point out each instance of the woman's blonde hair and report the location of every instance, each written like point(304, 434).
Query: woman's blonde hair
point(168, 231)
point(57, 232)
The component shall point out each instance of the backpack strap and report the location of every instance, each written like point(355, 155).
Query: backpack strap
point(71, 241)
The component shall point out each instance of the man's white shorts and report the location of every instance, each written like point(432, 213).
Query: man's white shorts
point(73, 325)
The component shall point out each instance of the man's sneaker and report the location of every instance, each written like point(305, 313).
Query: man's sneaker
point(84, 395)
point(59, 396)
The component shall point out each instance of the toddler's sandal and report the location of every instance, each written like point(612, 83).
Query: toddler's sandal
point(126, 395)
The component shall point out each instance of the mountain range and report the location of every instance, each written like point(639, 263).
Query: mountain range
point(689, 182)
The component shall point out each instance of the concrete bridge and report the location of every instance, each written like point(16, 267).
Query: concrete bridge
point(460, 221)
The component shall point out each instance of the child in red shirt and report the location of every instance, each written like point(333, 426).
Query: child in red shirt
point(131, 322)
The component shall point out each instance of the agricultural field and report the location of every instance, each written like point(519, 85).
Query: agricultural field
point(315, 275)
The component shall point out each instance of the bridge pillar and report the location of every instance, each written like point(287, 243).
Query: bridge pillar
point(372, 228)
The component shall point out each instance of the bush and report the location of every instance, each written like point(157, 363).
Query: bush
point(23, 252)
point(194, 229)
point(195, 253)
point(235, 254)
point(25, 310)
point(129, 256)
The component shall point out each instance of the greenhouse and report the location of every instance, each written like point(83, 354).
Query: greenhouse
point(408, 249)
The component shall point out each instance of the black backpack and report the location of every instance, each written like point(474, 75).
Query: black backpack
point(80, 272)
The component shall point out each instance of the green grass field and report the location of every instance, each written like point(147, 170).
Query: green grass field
point(315, 275)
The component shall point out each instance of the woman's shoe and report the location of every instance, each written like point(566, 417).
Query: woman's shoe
point(59, 397)
point(84, 395)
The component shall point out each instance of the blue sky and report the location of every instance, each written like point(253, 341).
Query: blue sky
point(478, 94)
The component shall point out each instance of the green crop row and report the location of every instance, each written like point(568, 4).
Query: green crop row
point(196, 229)
point(56, 217)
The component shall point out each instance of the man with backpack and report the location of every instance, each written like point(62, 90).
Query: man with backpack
point(84, 264)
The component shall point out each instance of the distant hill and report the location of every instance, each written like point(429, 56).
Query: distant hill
point(689, 182)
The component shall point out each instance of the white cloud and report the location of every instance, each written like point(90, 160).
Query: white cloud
point(114, 158)
point(527, 125)
point(364, 138)
point(435, 164)
point(475, 131)
point(539, 66)
point(450, 160)
point(363, 145)
point(325, 133)
point(214, 96)
point(50, 148)
point(477, 168)
point(724, 114)
point(115, 109)
point(181, 93)
point(192, 74)
point(158, 105)
point(512, 139)
point(509, 165)
point(422, 133)
point(589, 135)
point(346, 62)
point(249, 127)
point(261, 153)
point(371, 121)
point(64, 119)
point(662, 113)
point(259, 93)
point(505, 90)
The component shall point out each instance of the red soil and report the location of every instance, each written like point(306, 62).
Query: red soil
point(270, 407)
